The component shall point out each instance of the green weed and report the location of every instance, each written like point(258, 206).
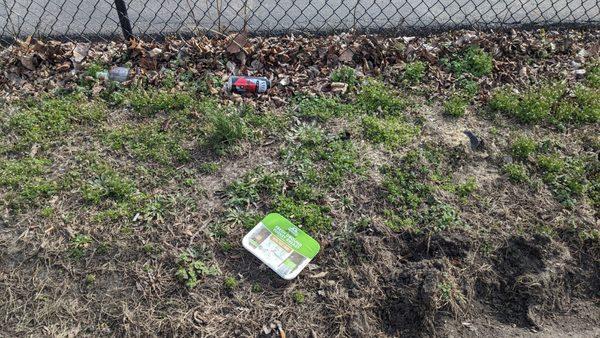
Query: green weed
point(474, 61)
point(230, 283)
point(149, 142)
point(321, 108)
point(523, 147)
point(549, 103)
point(592, 78)
point(344, 74)
point(150, 102)
point(516, 172)
point(312, 216)
point(376, 98)
point(456, 105)
point(44, 121)
point(108, 185)
point(390, 131)
point(191, 269)
point(26, 179)
point(298, 297)
point(209, 167)
point(224, 130)
point(79, 245)
point(414, 72)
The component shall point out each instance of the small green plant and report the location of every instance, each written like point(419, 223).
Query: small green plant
point(224, 130)
point(108, 185)
point(516, 172)
point(522, 147)
point(298, 297)
point(93, 68)
point(45, 121)
point(191, 269)
point(209, 167)
point(474, 61)
point(321, 108)
point(230, 283)
point(414, 72)
point(546, 103)
point(312, 216)
point(376, 98)
point(391, 131)
point(150, 102)
point(47, 212)
point(592, 78)
point(149, 142)
point(79, 244)
point(256, 288)
point(344, 74)
point(469, 87)
point(456, 106)
point(467, 188)
point(90, 279)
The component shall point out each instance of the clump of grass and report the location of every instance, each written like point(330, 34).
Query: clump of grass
point(192, 269)
point(582, 107)
point(409, 191)
point(565, 177)
point(344, 74)
point(44, 121)
point(312, 216)
point(321, 108)
point(26, 179)
point(533, 106)
point(79, 245)
point(474, 61)
point(516, 172)
point(230, 283)
point(90, 279)
point(592, 78)
point(256, 288)
point(549, 103)
point(456, 105)
point(522, 147)
point(209, 167)
point(298, 297)
point(108, 185)
point(150, 102)
point(467, 188)
point(149, 142)
point(377, 98)
point(390, 131)
point(414, 72)
point(224, 130)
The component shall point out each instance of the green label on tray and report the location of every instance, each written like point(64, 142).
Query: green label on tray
point(291, 235)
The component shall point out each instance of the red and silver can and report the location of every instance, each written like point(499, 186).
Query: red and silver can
point(247, 84)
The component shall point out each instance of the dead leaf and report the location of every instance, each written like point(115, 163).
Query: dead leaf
point(155, 52)
point(237, 44)
point(28, 61)
point(80, 52)
point(339, 87)
point(346, 56)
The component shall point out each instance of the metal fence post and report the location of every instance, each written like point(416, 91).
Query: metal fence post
point(124, 19)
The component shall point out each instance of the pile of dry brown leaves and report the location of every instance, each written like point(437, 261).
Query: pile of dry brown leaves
point(297, 63)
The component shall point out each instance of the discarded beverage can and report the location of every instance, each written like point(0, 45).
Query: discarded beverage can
point(281, 245)
point(247, 84)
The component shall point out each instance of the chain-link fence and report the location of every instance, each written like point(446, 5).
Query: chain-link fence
point(108, 19)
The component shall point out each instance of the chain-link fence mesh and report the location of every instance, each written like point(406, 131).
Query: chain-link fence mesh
point(100, 19)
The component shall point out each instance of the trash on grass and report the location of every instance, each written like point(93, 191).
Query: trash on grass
point(247, 84)
point(118, 74)
point(281, 245)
